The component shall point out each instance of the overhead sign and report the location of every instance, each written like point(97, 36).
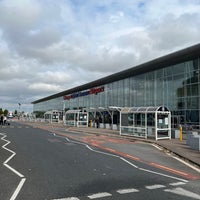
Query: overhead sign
point(85, 93)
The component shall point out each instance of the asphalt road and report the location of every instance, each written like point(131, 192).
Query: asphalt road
point(37, 165)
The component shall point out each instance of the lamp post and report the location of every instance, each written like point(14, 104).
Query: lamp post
point(64, 112)
point(19, 110)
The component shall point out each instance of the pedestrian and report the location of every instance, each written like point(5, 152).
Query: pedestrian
point(4, 120)
point(97, 122)
point(1, 120)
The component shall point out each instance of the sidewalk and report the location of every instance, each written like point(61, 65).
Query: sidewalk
point(174, 146)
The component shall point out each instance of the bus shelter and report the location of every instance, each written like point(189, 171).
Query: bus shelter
point(106, 117)
point(76, 118)
point(146, 122)
point(53, 116)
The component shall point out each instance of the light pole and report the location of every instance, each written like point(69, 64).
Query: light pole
point(64, 112)
point(19, 110)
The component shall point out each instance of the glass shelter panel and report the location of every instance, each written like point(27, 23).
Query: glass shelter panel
point(146, 122)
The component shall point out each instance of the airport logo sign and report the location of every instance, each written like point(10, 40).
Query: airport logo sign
point(85, 93)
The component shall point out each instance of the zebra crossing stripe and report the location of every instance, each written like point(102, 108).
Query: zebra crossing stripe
point(99, 195)
point(178, 183)
point(69, 198)
point(153, 187)
point(126, 191)
point(183, 192)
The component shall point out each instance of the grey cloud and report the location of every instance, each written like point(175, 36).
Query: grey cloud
point(176, 32)
point(50, 46)
point(27, 28)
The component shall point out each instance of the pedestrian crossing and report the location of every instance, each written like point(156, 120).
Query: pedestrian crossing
point(169, 188)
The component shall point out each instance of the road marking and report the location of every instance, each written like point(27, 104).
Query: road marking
point(99, 195)
point(157, 147)
point(132, 157)
point(153, 187)
point(169, 169)
point(160, 174)
point(13, 154)
point(101, 152)
point(19, 187)
point(178, 183)
point(69, 198)
point(21, 183)
point(179, 159)
point(185, 163)
point(183, 192)
point(129, 162)
point(126, 191)
point(117, 156)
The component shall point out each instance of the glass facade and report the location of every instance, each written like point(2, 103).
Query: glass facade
point(176, 87)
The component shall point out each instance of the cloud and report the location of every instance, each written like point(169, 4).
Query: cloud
point(54, 77)
point(44, 87)
point(175, 31)
point(49, 46)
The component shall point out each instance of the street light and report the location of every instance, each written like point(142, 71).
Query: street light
point(63, 111)
point(19, 109)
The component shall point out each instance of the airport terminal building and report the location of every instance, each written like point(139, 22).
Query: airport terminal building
point(170, 81)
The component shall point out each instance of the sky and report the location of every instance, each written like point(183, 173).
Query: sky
point(49, 46)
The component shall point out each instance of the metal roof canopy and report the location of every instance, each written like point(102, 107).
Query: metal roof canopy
point(115, 108)
point(150, 109)
point(52, 112)
point(73, 111)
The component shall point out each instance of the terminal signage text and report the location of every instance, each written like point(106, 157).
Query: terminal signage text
point(85, 93)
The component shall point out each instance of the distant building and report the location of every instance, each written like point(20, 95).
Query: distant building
point(172, 80)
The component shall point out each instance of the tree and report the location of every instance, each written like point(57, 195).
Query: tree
point(39, 114)
point(5, 112)
point(1, 111)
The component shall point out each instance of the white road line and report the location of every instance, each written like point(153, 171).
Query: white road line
point(19, 187)
point(185, 163)
point(178, 183)
point(179, 159)
point(126, 191)
point(13, 170)
point(69, 198)
point(156, 146)
point(13, 154)
point(183, 192)
point(21, 183)
point(67, 139)
point(117, 156)
point(153, 187)
point(101, 152)
point(129, 162)
point(99, 195)
point(160, 174)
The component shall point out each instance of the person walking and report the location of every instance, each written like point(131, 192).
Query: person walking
point(1, 120)
point(4, 120)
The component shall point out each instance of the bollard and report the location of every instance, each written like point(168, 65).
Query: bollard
point(90, 123)
point(181, 133)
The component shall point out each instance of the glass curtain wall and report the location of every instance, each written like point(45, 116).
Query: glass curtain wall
point(176, 87)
